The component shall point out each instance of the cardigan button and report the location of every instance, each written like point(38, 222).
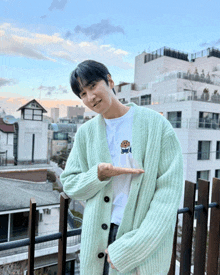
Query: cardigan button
point(101, 255)
point(104, 226)
point(106, 199)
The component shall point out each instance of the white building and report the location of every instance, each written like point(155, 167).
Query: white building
point(55, 114)
point(186, 92)
point(184, 89)
point(31, 135)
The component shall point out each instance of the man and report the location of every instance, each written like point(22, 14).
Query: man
point(127, 164)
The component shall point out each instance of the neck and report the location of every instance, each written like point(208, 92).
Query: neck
point(116, 110)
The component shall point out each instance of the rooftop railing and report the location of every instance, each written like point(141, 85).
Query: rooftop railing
point(199, 248)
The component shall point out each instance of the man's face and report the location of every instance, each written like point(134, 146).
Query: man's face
point(97, 96)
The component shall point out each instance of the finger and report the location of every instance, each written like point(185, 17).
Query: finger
point(121, 170)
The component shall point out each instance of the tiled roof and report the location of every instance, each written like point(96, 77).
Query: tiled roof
point(17, 195)
point(6, 128)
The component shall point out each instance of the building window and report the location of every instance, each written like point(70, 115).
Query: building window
point(146, 100)
point(218, 150)
point(19, 226)
point(175, 119)
point(60, 136)
point(123, 101)
point(203, 150)
point(209, 120)
point(135, 100)
point(217, 173)
point(30, 114)
point(204, 175)
point(3, 228)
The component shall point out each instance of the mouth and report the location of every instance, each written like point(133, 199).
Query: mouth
point(97, 103)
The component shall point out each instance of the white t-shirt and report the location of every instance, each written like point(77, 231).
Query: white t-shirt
point(119, 137)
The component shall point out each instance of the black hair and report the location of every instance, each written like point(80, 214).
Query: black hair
point(88, 71)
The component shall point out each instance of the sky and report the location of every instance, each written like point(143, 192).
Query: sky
point(42, 42)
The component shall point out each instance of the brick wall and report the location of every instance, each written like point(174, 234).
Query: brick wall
point(29, 175)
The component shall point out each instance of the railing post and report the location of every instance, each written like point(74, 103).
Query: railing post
point(32, 221)
point(187, 230)
point(201, 228)
point(214, 232)
point(63, 229)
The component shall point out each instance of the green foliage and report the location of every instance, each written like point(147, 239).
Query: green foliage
point(79, 215)
point(51, 176)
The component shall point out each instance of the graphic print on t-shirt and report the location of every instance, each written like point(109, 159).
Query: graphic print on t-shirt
point(125, 147)
point(125, 155)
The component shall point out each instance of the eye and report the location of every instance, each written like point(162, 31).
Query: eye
point(82, 94)
point(93, 85)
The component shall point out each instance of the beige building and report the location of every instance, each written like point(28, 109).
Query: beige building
point(75, 111)
point(55, 114)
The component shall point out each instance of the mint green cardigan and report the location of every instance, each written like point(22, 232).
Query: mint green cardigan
point(144, 239)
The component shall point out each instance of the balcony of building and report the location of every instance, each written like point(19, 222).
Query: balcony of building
point(190, 255)
point(165, 51)
point(186, 95)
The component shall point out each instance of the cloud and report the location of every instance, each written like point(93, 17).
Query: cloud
point(68, 34)
point(204, 44)
point(56, 4)
point(21, 42)
point(210, 44)
point(98, 30)
point(52, 90)
point(43, 16)
point(7, 82)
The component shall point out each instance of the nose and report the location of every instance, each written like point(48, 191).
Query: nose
point(91, 97)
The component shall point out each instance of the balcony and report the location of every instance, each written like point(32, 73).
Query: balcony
point(192, 253)
point(186, 95)
point(192, 123)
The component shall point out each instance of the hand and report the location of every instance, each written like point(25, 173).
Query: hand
point(109, 261)
point(106, 170)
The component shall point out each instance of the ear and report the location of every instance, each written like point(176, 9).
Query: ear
point(110, 81)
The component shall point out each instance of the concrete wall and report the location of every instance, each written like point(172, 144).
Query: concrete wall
point(26, 130)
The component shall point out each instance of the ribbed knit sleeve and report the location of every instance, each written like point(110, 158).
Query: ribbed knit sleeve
point(78, 184)
point(135, 247)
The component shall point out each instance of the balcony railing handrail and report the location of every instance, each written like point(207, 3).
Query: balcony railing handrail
point(38, 239)
point(75, 232)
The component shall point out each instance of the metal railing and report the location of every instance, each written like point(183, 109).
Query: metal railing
point(32, 242)
point(204, 256)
